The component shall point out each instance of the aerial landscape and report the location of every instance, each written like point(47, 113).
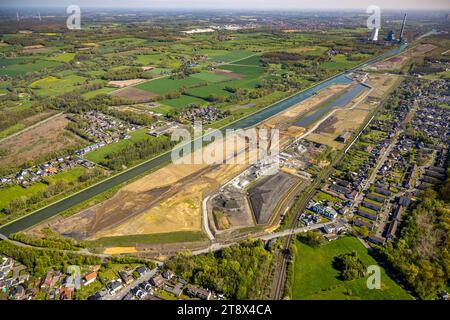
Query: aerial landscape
point(192, 152)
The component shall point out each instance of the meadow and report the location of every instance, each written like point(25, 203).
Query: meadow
point(14, 67)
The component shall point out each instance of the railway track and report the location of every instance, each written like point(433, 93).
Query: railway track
point(280, 276)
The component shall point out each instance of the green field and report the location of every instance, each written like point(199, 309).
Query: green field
point(52, 86)
point(146, 59)
point(132, 240)
point(63, 57)
point(166, 85)
point(246, 71)
point(19, 66)
point(210, 77)
point(252, 61)
point(10, 130)
point(159, 71)
point(340, 62)
point(94, 93)
point(183, 101)
point(316, 279)
point(232, 56)
point(205, 91)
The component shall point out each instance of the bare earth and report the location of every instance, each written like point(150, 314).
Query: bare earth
point(124, 83)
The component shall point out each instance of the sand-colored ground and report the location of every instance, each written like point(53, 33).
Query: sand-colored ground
point(124, 83)
point(120, 250)
point(396, 62)
point(48, 137)
point(353, 115)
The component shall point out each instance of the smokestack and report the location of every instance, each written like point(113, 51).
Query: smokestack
point(374, 35)
point(403, 29)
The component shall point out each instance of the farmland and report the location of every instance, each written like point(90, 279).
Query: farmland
point(20, 66)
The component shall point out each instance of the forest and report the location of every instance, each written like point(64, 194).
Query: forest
point(239, 272)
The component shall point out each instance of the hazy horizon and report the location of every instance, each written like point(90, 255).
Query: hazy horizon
point(239, 4)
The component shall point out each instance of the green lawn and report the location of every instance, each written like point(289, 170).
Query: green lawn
point(146, 59)
point(340, 62)
point(10, 130)
point(131, 240)
point(319, 196)
point(252, 61)
point(246, 71)
point(316, 279)
point(159, 71)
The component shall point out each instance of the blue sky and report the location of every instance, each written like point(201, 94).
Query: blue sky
point(231, 4)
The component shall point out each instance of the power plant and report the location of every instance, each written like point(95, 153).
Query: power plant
point(390, 37)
